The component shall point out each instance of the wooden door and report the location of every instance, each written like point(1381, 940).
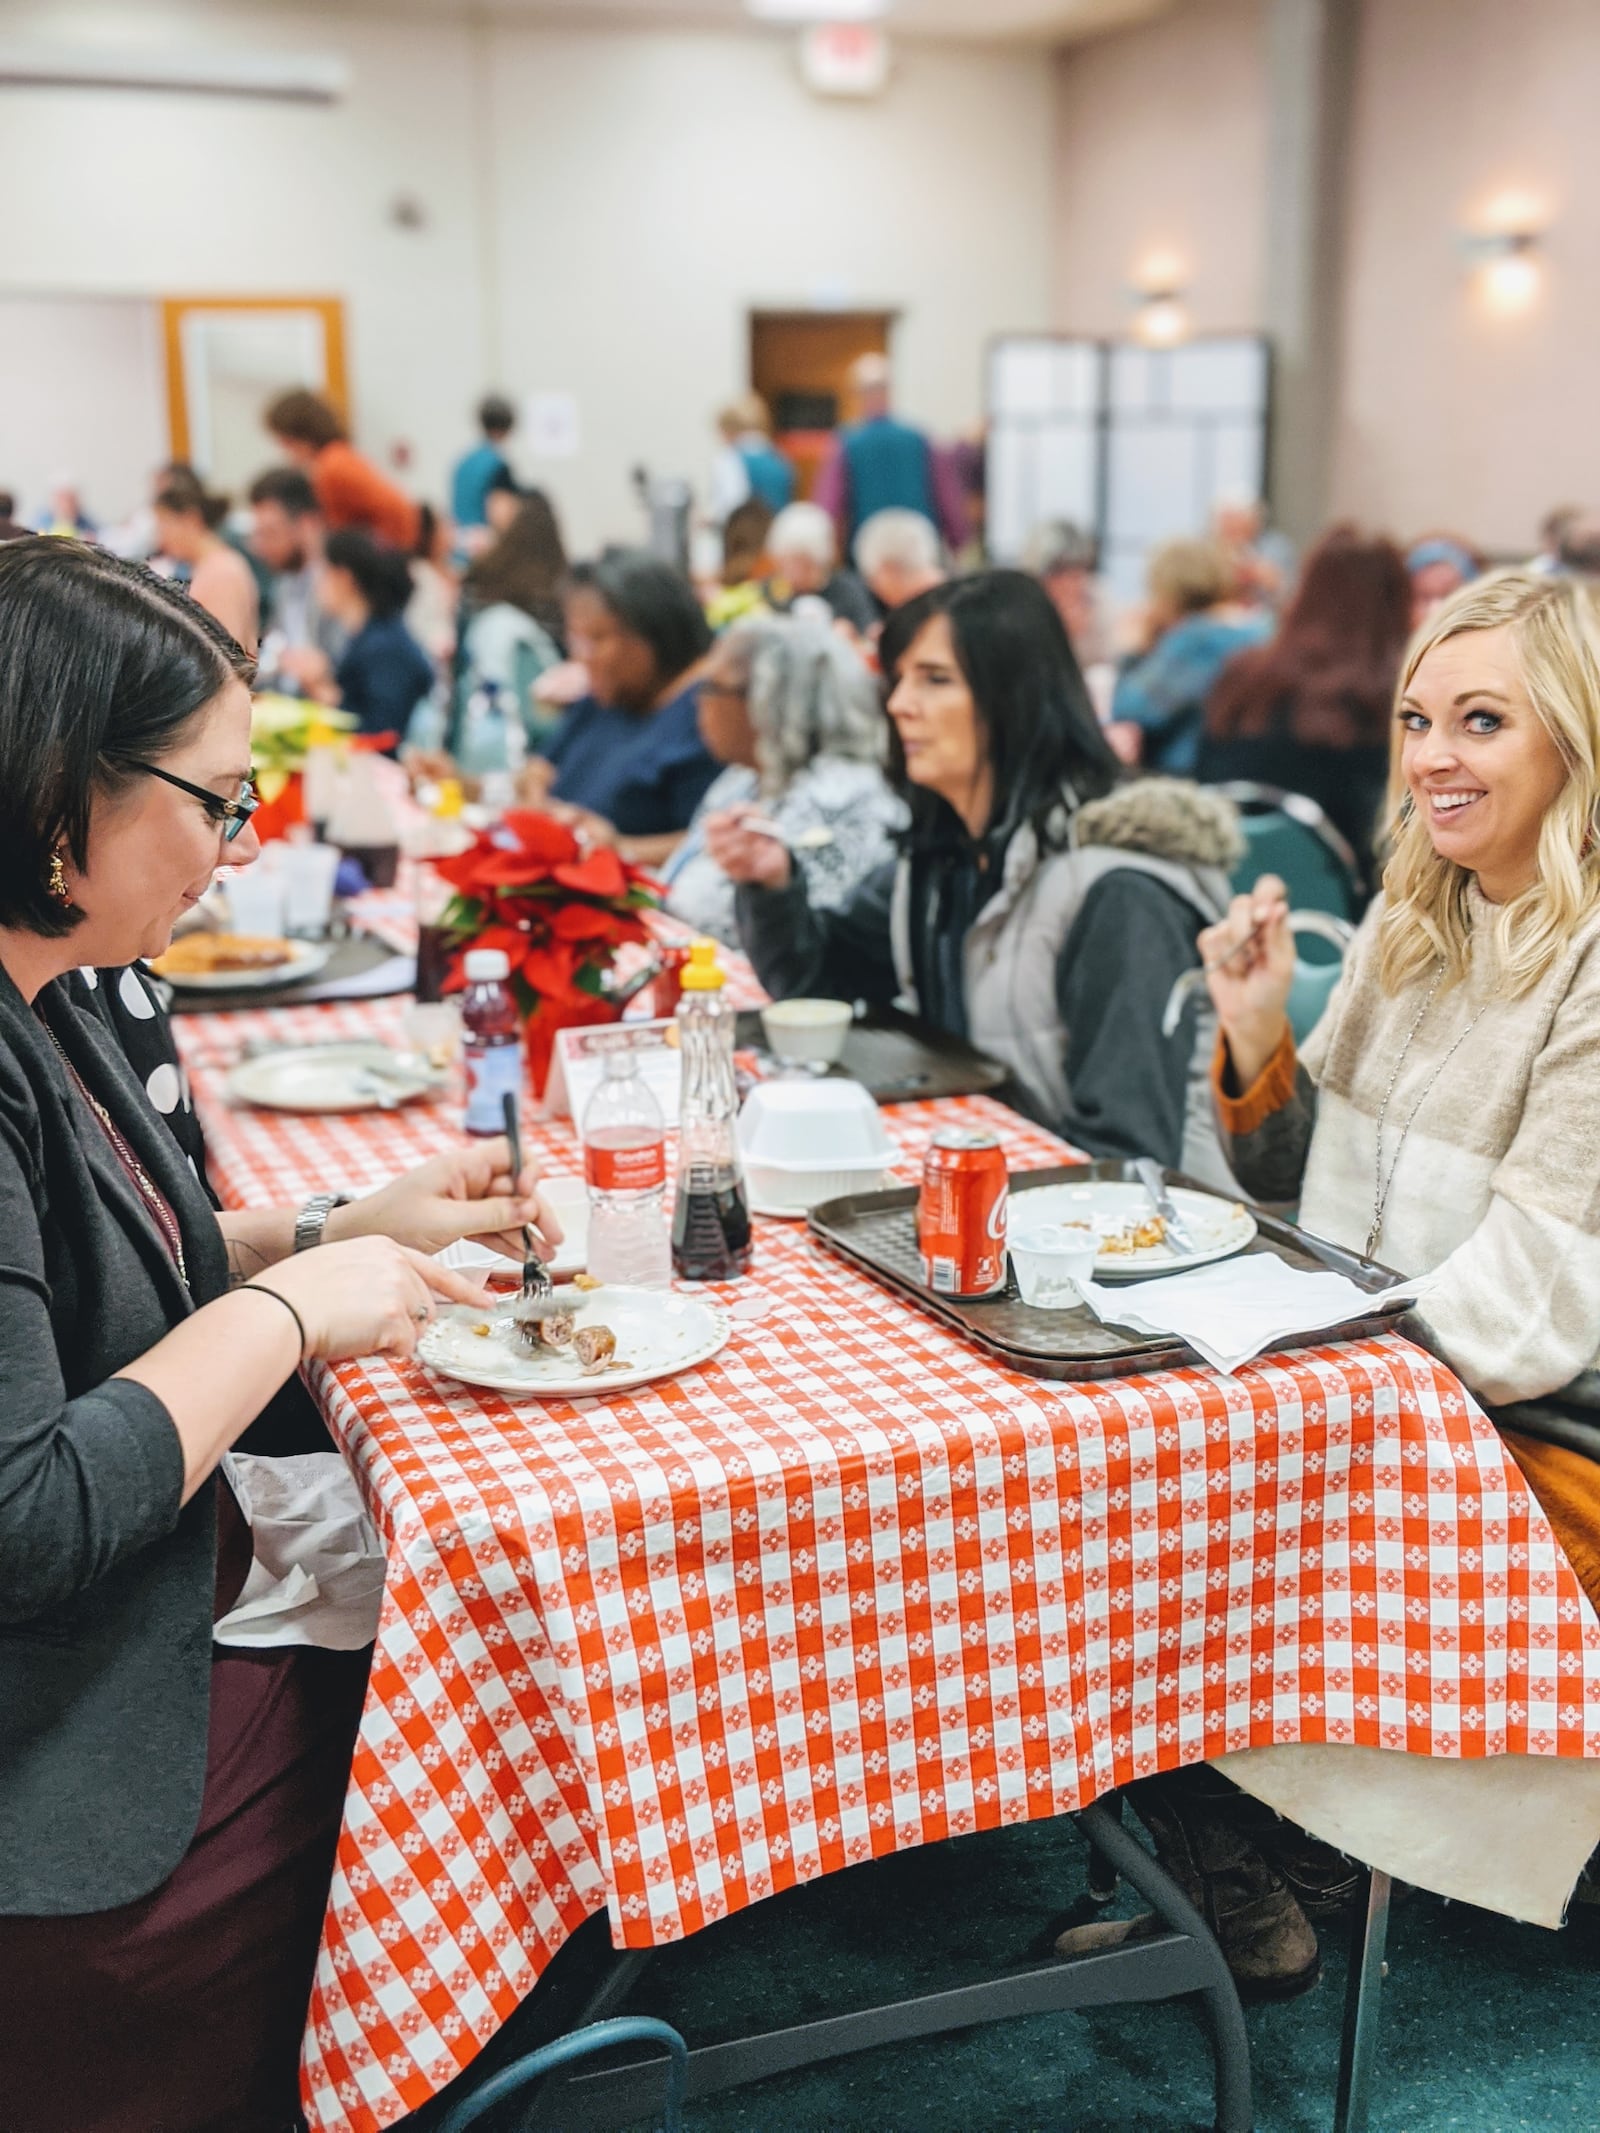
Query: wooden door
point(800, 364)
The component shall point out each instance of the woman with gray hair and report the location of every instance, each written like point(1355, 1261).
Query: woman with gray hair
point(793, 714)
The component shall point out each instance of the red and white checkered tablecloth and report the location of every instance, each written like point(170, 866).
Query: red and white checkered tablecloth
point(851, 1587)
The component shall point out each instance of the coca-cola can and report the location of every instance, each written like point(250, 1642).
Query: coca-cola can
point(961, 1215)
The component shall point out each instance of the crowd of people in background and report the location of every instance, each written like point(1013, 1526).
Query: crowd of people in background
point(630, 695)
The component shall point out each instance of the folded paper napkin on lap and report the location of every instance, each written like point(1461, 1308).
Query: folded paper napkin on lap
point(1230, 1311)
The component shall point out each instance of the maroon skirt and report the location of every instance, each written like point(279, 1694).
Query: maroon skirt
point(182, 2013)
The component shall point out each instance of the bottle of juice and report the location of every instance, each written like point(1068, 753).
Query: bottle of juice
point(711, 1216)
point(491, 1040)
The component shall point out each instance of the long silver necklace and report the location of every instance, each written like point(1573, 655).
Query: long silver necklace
point(1382, 1184)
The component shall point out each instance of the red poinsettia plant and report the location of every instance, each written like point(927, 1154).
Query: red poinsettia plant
point(559, 911)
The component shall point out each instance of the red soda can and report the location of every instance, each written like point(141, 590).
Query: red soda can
point(961, 1216)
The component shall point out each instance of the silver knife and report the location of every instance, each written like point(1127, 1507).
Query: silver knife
point(1149, 1176)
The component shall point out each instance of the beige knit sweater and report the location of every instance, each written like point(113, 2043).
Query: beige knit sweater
point(1496, 1188)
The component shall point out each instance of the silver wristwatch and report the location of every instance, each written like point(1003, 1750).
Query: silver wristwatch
point(312, 1219)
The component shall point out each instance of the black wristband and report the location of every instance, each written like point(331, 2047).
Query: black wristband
point(279, 1297)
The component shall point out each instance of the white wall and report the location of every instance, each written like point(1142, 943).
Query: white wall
point(602, 209)
point(1449, 415)
point(1162, 150)
point(82, 396)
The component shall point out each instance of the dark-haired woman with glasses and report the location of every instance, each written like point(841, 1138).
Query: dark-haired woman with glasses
point(1035, 909)
point(168, 1808)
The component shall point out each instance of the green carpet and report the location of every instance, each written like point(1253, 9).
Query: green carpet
point(1487, 2026)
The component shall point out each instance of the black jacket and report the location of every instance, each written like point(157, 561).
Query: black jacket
point(106, 1577)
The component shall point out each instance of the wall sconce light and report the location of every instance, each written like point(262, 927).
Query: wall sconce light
point(1507, 266)
point(1160, 317)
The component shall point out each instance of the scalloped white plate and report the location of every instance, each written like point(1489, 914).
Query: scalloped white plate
point(658, 1335)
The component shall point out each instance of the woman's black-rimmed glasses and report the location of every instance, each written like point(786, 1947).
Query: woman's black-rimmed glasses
point(230, 815)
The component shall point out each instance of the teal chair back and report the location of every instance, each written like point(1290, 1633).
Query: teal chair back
point(1288, 835)
point(1312, 989)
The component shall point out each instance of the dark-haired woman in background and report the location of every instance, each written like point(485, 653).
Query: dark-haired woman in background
point(627, 764)
point(168, 1807)
point(1035, 910)
point(1310, 711)
point(383, 673)
point(186, 522)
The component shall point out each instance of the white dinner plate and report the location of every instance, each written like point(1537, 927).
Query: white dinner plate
point(658, 1335)
point(331, 1077)
point(569, 1198)
point(304, 960)
point(1219, 1227)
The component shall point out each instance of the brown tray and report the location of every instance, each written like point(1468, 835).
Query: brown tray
point(876, 1231)
point(898, 1058)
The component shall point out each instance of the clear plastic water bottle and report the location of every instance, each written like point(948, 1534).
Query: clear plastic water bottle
point(711, 1215)
point(625, 1165)
point(491, 1040)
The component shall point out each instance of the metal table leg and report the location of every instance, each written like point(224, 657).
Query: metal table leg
point(1358, 2045)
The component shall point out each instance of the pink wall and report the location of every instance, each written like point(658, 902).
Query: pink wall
point(1449, 413)
point(1161, 147)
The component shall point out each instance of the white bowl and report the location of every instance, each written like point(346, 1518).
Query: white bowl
point(1051, 1259)
point(815, 1124)
point(807, 1032)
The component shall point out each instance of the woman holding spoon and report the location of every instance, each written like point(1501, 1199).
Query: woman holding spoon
point(1442, 1116)
point(793, 715)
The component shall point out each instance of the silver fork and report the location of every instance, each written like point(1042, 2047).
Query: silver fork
point(537, 1287)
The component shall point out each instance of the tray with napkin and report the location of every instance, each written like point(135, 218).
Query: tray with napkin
point(1141, 1328)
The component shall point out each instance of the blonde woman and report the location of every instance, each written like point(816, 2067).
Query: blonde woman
point(1443, 1117)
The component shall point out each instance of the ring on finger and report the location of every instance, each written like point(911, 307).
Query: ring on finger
point(422, 1313)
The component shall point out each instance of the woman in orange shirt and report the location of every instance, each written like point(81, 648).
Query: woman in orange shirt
point(350, 490)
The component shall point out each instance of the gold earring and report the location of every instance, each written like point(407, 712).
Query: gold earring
point(57, 882)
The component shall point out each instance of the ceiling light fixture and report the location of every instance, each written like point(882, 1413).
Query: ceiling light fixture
point(807, 11)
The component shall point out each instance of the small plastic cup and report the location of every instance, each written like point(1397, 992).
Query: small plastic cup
point(255, 901)
point(1051, 1261)
point(307, 872)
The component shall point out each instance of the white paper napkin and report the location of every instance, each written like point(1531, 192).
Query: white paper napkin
point(1232, 1310)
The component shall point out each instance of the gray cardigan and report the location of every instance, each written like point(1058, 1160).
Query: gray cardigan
point(106, 1578)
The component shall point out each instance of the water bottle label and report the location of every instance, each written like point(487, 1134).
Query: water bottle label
point(494, 1071)
point(634, 1166)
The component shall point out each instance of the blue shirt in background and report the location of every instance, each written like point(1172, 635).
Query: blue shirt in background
point(888, 466)
point(770, 475)
point(644, 771)
point(1165, 692)
point(383, 676)
point(469, 484)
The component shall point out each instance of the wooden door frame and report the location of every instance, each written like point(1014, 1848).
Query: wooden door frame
point(176, 309)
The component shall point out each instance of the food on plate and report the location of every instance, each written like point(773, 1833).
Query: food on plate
point(1147, 1235)
point(586, 1281)
point(545, 1329)
point(201, 954)
point(595, 1348)
point(483, 1330)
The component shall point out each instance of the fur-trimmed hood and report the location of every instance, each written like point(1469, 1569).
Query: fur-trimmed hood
point(1165, 818)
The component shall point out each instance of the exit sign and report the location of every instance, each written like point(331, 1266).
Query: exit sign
point(844, 58)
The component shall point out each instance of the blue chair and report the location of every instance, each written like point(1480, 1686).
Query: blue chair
point(523, 2076)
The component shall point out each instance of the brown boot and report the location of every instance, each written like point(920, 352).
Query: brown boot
point(1266, 1939)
